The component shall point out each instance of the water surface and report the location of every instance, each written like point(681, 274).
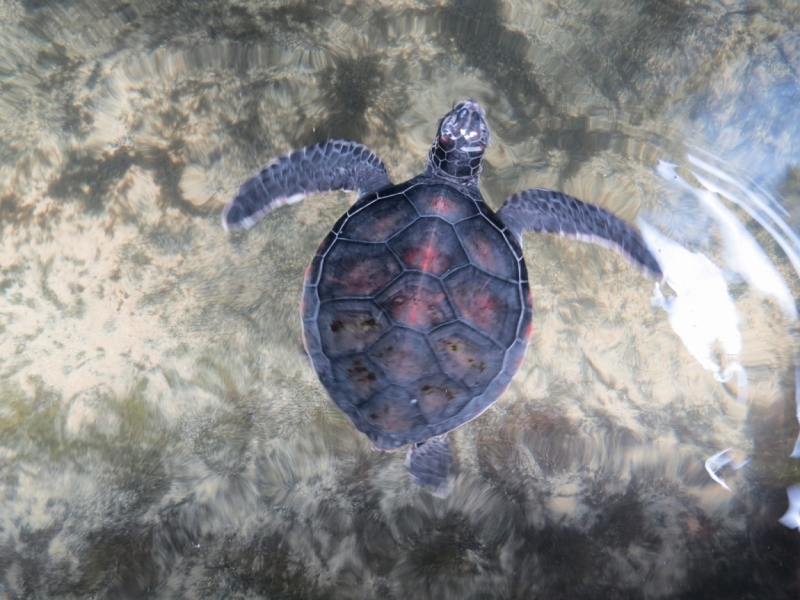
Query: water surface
point(161, 431)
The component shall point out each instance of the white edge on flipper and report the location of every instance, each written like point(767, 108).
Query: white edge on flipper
point(277, 203)
point(617, 249)
point(248, 222)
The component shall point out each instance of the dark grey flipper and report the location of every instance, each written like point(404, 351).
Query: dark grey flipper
point(323, 167)
point(429, 464)
point(549, 211)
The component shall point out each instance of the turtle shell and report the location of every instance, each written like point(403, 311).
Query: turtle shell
point(416, 311)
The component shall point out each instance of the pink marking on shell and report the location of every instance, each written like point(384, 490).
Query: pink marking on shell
point(444, 206)
point(360, 277)
point(427, 258)
point(418, 307)
point(479, 308)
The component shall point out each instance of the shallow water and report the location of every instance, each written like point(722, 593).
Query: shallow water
point(161, 431)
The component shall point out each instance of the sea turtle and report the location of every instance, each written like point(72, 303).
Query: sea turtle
point(416, 309)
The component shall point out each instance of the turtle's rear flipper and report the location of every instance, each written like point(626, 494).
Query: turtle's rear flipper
point(548, 211)
point(331, 165)
point(429, 464)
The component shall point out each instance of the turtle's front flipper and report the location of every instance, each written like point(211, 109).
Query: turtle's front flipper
point(429, 464)
point(549, 211)
point(331, 165)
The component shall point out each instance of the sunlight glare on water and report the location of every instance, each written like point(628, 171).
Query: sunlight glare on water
point(162, 432)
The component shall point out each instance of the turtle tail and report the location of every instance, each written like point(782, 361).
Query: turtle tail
point(429, 464)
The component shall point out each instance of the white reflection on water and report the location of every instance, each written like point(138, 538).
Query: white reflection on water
point(702, 312)
point(720, 460)
point(792, 517)
point(743, 251)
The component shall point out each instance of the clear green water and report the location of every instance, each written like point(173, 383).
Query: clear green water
point(161, 431)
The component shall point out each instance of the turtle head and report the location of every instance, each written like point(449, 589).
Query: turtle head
point(457, 151)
